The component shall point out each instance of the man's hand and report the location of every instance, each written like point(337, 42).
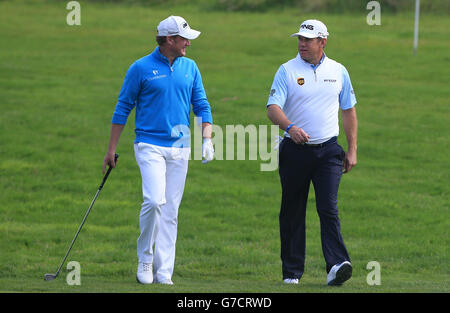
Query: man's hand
point(207, 150)
point(109, 161)
point(116, 130)
point(277, 116)
point(349, 161)
point(298, 135)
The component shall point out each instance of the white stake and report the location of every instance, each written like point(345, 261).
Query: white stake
point(416, 27)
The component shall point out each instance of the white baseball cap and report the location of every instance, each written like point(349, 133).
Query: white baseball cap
point(312, 29)
point(176, 25)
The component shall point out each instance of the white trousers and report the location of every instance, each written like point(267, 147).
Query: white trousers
point(163, 171)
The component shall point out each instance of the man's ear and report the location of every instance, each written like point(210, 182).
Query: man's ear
point(171, 40)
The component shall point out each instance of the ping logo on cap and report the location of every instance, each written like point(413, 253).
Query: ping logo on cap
point(185, 25)
point(310, 27)
point(300, 81)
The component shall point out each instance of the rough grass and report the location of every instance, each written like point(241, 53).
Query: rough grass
point(58, 88)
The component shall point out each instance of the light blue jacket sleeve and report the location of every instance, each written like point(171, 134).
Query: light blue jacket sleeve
point(200, 104)
point(128, 95)
point(347, 99)
point(278, 92)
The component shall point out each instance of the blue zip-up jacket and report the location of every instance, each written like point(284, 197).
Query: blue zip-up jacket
point(163, 95)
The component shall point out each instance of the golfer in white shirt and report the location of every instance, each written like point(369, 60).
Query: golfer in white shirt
point(306, 96)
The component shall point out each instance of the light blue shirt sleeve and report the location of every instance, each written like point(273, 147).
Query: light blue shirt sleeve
point(200, 104)
point(127, 96)
point(347, 99)
point(279, 90)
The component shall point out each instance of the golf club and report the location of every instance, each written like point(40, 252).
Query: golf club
point(48, 277)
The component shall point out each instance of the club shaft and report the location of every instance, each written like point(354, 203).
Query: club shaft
point(86, 215)
point(78, 231)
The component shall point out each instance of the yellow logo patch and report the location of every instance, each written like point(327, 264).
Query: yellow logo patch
point(300, 81)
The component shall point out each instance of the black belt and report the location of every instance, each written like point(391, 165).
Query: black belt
point(319, 145)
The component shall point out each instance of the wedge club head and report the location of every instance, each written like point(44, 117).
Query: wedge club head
point(48, 277)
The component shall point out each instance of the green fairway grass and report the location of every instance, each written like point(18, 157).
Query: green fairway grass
point(58, 89)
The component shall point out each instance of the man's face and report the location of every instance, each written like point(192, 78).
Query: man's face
point(178, 46)
point(311, 49)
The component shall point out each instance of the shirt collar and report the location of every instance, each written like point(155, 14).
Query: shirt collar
point(314, 67)
point(157, 53)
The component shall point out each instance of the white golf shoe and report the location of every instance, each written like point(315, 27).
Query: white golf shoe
point(290, 281)
point(145, 273)
point(339, 273)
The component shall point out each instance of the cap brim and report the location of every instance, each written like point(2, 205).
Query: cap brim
point(190, 34)
point(304, 34)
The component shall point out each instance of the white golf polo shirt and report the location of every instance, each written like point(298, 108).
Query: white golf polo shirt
point(310, 96)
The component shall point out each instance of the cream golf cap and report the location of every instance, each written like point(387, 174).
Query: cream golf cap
point(312, 29)
point(176, 25)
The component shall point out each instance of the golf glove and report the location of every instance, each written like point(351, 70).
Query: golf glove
point(207, 150)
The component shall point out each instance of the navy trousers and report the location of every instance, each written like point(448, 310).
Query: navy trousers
point(298, 166)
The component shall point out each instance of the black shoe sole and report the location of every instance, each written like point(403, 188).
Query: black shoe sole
point(342, 275)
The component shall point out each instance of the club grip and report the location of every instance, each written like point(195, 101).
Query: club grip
point(116, 156)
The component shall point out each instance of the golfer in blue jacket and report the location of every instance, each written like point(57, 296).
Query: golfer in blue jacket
point(162, 86)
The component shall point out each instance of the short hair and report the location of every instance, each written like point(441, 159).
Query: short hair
point(160, 40)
